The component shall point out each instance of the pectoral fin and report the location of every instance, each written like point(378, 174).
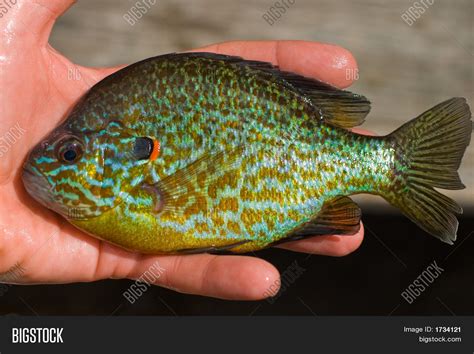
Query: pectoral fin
point(193, 188)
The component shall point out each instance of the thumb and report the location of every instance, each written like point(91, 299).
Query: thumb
point(32, 20)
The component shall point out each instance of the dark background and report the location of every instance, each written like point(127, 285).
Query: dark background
point(367, 282)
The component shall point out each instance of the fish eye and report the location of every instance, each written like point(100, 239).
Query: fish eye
point(69, 150)
point(143, 148)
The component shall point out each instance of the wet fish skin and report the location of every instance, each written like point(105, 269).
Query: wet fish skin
point(249, 156)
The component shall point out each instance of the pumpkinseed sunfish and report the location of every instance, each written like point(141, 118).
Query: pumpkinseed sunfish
point(200, 152)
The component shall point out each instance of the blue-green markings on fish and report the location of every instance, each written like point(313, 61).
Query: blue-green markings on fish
point(203, 152)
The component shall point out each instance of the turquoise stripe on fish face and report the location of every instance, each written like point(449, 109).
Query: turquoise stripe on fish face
point(100, 176)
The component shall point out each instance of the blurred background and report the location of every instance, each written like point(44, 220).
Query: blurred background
point(411, 56)
point(406, 64)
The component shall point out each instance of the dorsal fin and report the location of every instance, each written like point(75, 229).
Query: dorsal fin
point(335, 106)
point(339, 216)
point(338, 107)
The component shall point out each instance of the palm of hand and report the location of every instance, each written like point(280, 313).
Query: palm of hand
point(42, 85)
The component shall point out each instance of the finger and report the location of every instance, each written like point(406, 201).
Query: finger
point(336, 246)
point(33, 19)
point(363, 131)
point(225, 277)
point(325, 62)
point(81, 258)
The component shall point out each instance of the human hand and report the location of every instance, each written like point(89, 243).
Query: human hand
point(39, 86)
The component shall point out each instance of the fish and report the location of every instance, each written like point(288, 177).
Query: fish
point(201, 152)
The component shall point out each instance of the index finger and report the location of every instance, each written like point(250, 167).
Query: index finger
point(325, 62)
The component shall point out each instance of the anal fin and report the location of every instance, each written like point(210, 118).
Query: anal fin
point(339, 216)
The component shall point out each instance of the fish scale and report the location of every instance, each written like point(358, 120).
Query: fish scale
point(249, 156)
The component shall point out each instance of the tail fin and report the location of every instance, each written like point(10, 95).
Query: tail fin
point(430, 148)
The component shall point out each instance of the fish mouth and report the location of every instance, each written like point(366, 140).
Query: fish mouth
point(40, 189)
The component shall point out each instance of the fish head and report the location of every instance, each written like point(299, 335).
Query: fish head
point(81, 174)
